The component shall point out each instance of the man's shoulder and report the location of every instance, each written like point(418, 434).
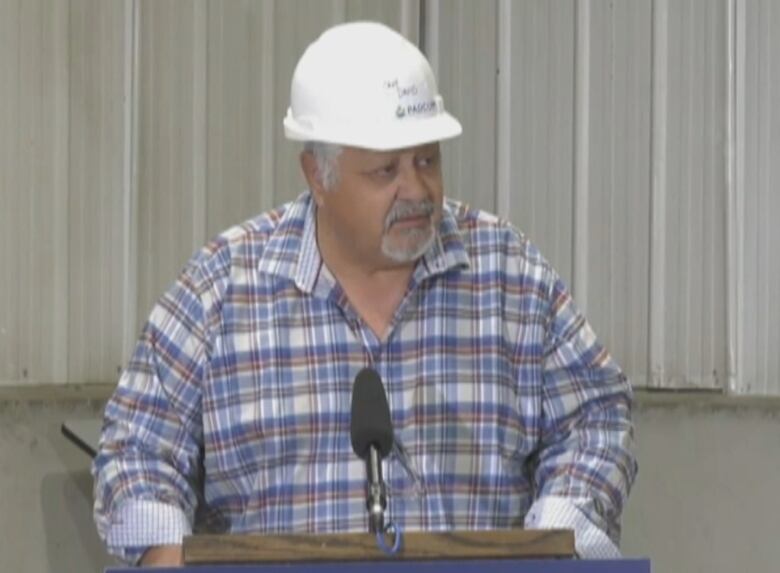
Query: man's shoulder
point(484, 233)
point(244, 244)
point(256, 232)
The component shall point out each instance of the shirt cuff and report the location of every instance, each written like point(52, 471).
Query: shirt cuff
point(140, 524)
point(556, 512)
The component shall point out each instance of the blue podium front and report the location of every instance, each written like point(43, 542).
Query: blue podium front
point(390, 566)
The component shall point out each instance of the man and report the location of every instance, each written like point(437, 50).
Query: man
point(506, 411)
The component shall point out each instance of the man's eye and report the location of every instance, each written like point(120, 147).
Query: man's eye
point(385, 171)
point(427, 161)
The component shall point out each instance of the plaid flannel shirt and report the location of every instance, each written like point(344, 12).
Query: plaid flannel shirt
point(235, 404)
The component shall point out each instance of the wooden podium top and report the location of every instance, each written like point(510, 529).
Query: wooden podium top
point(418, 546)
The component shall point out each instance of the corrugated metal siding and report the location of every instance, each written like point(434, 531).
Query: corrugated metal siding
point(11, 197)
point(241, 112)
point(579, 166)
point(132, 131)
point(617, 190)
point(540, 195)
point(169, 181)
point(95, 190)
point(696, 347)
point(759, 186)
point(60, 173)
point(460, 37)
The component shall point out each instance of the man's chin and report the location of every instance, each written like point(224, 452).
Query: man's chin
point(409, 249)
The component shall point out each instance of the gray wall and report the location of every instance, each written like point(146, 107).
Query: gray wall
point(634, 142)
point(705, 502)
point(706, 497)
point(45, 491)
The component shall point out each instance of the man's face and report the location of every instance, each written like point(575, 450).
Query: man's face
point(386, 206)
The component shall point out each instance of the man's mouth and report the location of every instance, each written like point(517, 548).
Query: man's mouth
point(406, 214)
point(412, 221)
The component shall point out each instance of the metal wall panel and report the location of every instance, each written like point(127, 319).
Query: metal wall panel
point(95, 215)
point(131, 131)
point(579, 167)
point(240, 118)
point(10, 194)
point(460, 40)
point(613, 263)
point(541, 96)
point(695, 351)
point(170, 162)
point(759, 144)
point(33, 191)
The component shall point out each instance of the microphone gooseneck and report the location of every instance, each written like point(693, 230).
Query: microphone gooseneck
point(376, 498)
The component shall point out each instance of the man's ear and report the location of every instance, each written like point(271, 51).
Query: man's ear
point(312, 174)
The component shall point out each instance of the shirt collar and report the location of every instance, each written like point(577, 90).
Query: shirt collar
point(292, 252)
point(447, 252)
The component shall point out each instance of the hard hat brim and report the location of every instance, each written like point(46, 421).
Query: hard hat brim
point(387, 137)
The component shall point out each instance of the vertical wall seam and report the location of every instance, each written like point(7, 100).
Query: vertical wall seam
point(731, 152)
point(685, 268)
point(659, 75)
point(736, 194)
point(430, 35)
point(731, 255)
point(503, 117)
point(200, 123)
point(422, 27)
point(62, 182)
point(581, 152)
point(410, 20)
point(28, 181)
point(267, 119)
point(763, 186)
point(17, 328)
point(762, 189)
point(130, 187)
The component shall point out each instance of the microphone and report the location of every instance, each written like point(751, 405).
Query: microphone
point(372, 439)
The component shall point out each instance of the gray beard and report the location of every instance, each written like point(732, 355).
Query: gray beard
point(422, 240)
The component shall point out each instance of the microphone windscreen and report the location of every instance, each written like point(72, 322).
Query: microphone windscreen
point(370, 422)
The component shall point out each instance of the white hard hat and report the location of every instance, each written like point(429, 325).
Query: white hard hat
point(364, 85)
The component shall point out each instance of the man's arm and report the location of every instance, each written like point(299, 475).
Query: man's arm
point(163, 556)
point(146, 467)
point(586, 464)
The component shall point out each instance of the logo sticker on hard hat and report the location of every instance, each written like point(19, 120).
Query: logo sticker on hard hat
point(421, 108)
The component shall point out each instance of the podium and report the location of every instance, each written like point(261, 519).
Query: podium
point(501, 551)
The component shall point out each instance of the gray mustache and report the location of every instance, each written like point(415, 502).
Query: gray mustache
point(403, 209)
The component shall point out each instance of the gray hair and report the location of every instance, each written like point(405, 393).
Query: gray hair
point(326, 157)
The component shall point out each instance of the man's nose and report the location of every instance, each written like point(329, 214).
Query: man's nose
point(411, 185)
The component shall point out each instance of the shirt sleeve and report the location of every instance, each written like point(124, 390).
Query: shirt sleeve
point(586, 464)
point(554, 512)
point(146, 468)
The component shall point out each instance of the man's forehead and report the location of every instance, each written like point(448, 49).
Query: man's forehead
point(362, 153)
